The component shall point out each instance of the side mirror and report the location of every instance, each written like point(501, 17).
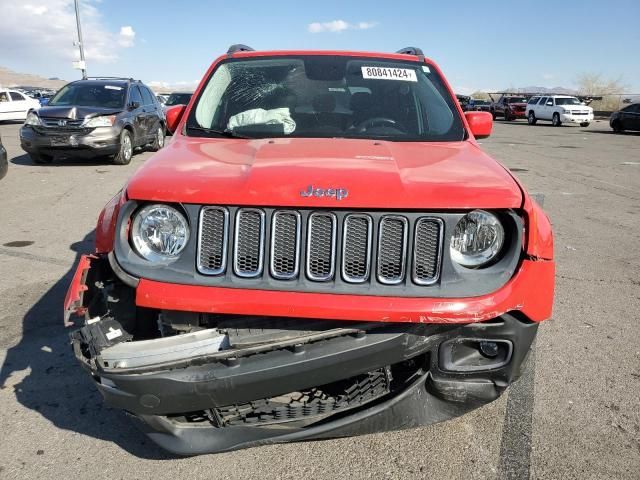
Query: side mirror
point(550, 104)
point(134, 105)
point(480, 123)
point(174, 115)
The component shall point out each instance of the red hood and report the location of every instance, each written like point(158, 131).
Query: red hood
point(377, 174)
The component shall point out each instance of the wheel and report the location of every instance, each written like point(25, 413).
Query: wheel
point(555, 121)
point(584, 124)
point(123, 157)
point(507, 116)
point(617, 126)
point(493, 114)
point(158, 139)
point(531, 118)
point(41, 158)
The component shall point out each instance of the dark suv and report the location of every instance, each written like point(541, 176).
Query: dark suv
point(93, 118)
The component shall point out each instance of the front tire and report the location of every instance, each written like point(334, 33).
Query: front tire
point(158, 140)
point(531, 118)
point(584, 124)
point(555, 120)
point(41, 158)
point(617, 127)
point(124, 155)
point(507, 117)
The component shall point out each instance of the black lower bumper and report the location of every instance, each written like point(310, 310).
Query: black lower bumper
point(224, 402)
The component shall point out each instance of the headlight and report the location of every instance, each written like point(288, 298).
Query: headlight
point(565, 111)
point(477, 239)
point(159, 232)
point(103, 121)
point(32, 119)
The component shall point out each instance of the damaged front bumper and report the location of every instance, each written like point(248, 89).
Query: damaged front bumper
point(217, 382)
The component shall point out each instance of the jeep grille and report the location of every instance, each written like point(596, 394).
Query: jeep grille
point(352, 247)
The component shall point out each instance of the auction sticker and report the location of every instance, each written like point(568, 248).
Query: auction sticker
point(386, 73)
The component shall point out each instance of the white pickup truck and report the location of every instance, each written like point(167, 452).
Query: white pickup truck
point(559, 109)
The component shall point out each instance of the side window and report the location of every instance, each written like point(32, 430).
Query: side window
point(16, 97)
point(533, 100)
point(134, 95)
point(542, 101)
point(146, 95)
point(551, 100)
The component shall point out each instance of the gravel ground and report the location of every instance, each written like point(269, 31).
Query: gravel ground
point(576, 414)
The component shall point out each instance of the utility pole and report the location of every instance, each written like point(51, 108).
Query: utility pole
point(81, 43)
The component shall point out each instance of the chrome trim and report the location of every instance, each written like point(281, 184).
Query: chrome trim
point(333, 246)
point(436, 277)
point(271, 249)
point(258, 272)
point(205, 270)
point(345, 227)
point(405, 223)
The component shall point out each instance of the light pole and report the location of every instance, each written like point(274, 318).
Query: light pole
point(81, 43)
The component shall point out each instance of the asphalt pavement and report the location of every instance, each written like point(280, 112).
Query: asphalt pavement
point(576, 414)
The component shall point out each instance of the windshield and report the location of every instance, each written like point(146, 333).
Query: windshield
point(516, 100)
point(90, 95)
point(480, 102)
point(326, 96)
point(178, 99)
point(568, 101)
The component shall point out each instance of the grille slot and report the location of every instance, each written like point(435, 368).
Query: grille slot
point(356, 248)
point(213, 237)
point(248, 243)
point(285, 245)
point(321, 246)
point(392, 249)
point(426, 250)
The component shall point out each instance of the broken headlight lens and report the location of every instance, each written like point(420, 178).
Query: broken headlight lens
point(102, 121)
point(32, 119)
point(159, 232)
point(477, 239)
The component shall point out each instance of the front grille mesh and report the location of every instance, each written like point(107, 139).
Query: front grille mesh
point(249, 243)
point(321, 246)
point(285, 240)
point(392, 247)
point(360, 248)
point(212, 254)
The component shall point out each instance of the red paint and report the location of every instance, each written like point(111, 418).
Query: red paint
point(480, 123)
point(75, 292)
point(173, 117)
point(106, 227)
point(529, 291)
point(377, 174)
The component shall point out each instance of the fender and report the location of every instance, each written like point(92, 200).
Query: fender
point(106, 227)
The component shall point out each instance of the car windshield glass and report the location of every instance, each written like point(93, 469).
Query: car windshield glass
point(516, 100)
point(568, 101)
point(480, 102)
point(178, 99)
point(90, 95)
point(326, 96)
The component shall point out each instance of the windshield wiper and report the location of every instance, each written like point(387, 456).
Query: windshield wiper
point(223, 133)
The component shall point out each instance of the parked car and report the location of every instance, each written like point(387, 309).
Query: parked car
point(162, 98)
point(478, 105)
point(15, 105)
point(178, 98)
point(509, 106)
point(323, 251)
point(558, 109)
point(627, 118)
point(93, 118)
point(4, 163)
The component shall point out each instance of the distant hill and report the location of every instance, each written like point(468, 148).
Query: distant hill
point(9, 78)
point(533, 89)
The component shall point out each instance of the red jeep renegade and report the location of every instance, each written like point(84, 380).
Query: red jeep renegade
point(322, 250)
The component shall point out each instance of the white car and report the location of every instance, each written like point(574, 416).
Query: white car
point(15, 105)
point(559, 109)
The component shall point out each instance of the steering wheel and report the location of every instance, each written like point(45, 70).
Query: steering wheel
point(365, 125)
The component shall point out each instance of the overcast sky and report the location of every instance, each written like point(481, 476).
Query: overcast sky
point(480, 45)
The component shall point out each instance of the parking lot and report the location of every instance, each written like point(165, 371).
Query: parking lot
point(576, 414)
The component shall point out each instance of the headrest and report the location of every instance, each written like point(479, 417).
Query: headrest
point(324, 103)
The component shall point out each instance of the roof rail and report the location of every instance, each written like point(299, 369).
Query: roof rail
point(111, 78)
point(411, 51)
point(239, 47)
